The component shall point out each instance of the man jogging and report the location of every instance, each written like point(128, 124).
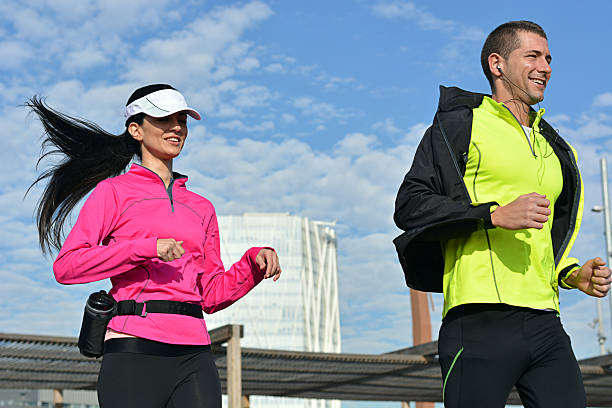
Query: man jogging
point(491, 208)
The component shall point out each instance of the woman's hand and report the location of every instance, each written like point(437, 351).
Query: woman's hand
point(268, 260)
point(169, 249)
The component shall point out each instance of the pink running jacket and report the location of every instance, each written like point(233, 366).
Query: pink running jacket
point(115, 237)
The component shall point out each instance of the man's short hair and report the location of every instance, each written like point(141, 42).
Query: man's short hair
point(503, 40)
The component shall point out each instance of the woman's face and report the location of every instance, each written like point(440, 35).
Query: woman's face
point(161, 138)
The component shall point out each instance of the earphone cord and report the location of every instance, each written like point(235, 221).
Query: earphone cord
point(516, 86)
point(514, 98)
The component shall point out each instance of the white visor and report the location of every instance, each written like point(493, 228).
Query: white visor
point(161, 103)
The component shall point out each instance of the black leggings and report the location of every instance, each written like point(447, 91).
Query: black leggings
point(140, 373)
point(486, 349)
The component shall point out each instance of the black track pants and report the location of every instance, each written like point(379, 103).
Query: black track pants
point(138, 373)
point(486, 349)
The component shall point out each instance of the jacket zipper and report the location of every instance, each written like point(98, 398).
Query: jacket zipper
point(168, 189)
point(576, 203)
point(576, 198)
point(523, 131)
point(169, 192)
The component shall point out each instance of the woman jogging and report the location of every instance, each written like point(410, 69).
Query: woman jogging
point(157, 241)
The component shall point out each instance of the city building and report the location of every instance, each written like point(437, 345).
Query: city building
point(298, 312)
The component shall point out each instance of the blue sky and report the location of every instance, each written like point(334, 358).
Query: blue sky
point(312, 108)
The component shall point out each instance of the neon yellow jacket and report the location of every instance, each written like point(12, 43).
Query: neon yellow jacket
point(434, 205)
point(498, 265)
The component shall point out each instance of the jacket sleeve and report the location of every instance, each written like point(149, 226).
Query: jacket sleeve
point(83, 258)
point(221, 288)
point(423, 205)
point(564, 270)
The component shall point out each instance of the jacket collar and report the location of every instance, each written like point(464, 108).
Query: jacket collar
point(145, 174)
point(453, 99)
point(501, 110)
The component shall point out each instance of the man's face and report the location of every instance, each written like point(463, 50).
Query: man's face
point(527, 68)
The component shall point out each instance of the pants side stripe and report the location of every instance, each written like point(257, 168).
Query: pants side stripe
point(450, 370)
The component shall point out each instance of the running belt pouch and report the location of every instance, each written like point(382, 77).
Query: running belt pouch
point(100, 308)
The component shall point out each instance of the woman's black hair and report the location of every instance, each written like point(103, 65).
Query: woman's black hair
point(89, 155)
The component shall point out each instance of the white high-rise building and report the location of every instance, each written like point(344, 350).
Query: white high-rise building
point(298, 312)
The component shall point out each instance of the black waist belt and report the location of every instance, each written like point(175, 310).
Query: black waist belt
point(146, 346)
point(131, 307)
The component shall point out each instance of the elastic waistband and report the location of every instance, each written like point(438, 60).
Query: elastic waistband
point(156, 348)
point(472, 308)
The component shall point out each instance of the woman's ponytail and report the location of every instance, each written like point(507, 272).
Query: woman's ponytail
point(88, 154)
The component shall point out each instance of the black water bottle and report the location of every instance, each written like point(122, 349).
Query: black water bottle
point(99, 310)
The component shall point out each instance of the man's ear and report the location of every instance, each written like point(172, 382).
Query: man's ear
point(496, 63)
point(135, 130)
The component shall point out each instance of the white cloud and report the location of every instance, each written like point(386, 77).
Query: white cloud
point(229, 85)
point(321, 111)
point(603, 100)
point(460, 36)
point(300, 180)
point(225, 110)
point(356, 144)
point(208, 48)
point(15, 54)
point(103, 104)
point(288, 118)
point(248, 64)
point(71, 10)
point(288, 60)
point(333, 82)
point(240, 126)
point(275, 68)
point(252, 96)
point(216, 37)
point(84, 59)
point(119, 14)
point(305, 69)
point(410, 11)
point(556, 119)
point(30, 24)
point(590, 126)
point(386, 126)
point(59, 34)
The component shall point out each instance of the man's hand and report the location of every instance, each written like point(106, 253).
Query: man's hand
point(169, 249)
point(593, 278)
point(268, 260)
point(527, 211)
